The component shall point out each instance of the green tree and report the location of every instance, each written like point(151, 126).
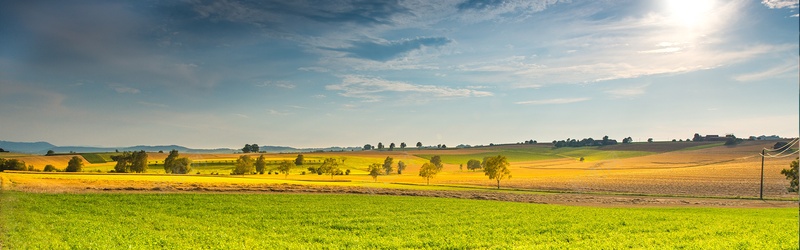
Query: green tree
point(138, 162)
point(254, 148)
point(299, 160)
point(329, 166)
point(261, 164)
point(50, 168)
point(419, 144)
point(497, 168)
point(285, 167)
point(649, 139)
point(401, 166)
point(75, 164)
point(402, 145)
point(428, 171)
point(437, 161)
point(374, 170)
point(11, 164)
point(181, 165)
point(380, 146)
point(473, 165)
point(391, 146)
point(123, 162)
point(367, 147)
point(173, 154)
point(244, 165)
point(246, 148)
point(50, 152)
point(387, 165)
point(791, 175)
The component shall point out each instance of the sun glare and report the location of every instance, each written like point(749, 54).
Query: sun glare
point(689, 13)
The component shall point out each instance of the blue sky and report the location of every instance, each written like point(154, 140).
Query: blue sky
point(210, 74)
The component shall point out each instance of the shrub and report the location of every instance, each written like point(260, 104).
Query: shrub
point(50, 168)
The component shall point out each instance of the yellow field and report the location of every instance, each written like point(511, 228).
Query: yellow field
point(714, 171)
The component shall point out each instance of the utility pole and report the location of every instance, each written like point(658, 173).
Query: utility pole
point(761, 193)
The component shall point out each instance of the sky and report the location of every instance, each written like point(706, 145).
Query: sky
point(306, 73)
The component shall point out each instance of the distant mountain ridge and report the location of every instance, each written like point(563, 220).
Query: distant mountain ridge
point(43, 147)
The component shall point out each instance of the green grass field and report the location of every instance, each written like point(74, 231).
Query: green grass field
point(303, 221)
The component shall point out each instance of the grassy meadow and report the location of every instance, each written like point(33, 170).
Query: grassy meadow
point(303, 221)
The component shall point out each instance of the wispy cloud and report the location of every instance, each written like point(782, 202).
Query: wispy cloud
point(125, 90)
point(279, 84)
point(553, 101)
point(276, 112)
point(370, 88)
point(769, 73)
point(627, 92)
point(386, 50)
point(242, 115)
point(779, 4)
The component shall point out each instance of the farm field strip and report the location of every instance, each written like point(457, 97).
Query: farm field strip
point(302, 221)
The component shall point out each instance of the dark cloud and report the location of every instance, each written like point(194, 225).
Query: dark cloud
point(387, 51)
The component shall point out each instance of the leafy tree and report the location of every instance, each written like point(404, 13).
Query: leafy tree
point(380, 146)
point(649, 139)
point(419, 144)
point(329, 166)
point(173, 154)
point(123, 162)
point(391, 146)
point(497, 168)
point(246, 148)
point(299, 160)
point(261, 164)
point(11, 164)
point(387, 165)
point(3, 150)
point(444, 146)
point(791, 175)
point(75, 164)
point(473, 164)
point(138, 162)
point(50, 168)
point(285, 167)
point(605, 140)
point(437, 161)
point(374, 170)
point(244, 165)
point(697, 137)
point(50, 152)
point(367, 147)
point(401, 166)
point(402, 145)
point(428, 171)
point(254, 148)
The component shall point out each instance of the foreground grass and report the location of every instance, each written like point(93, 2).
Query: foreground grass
point(301, 221)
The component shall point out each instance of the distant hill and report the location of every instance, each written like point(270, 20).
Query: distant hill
point(43, 147)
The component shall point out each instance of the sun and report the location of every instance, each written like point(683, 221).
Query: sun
point(689, 13)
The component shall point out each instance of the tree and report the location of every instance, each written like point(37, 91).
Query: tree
point(285, 167)
point(497, 168)
point(473, 164)
point(649, 139)
point(401, 166)
point(380, 146)
point(391, 146)
point(11, 164)
point(605, 140)
point(428, 171)
point(299, 160)
point(261, 164)
point(50, 168)
point(374, 170)
point(402, 145)
point(329, 166)
point(387, 165)
point(697, 137)
point(244, 165)
point(174, 164)
point(419, 144)
point(50, 152)
point(138, 162)
point(437, 161)
point(444, 146)
point(173, 154)
point(367, 147)
point(246, 148)
point(75, 164)
point(123, 162)
point(254, 148)
point(791, 175)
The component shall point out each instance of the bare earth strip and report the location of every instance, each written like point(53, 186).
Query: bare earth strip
point(131, 186)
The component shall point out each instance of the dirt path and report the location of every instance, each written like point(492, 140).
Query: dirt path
point(86, 186)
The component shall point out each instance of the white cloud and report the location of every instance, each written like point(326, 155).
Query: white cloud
point(779, 4)
point(275, 112)
point(553, 101)
point(241, 115)
point(125, 90)
point(279, 84)
point(319, 96)
point(769, 73)
point(369, 88)
point(627, 92)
